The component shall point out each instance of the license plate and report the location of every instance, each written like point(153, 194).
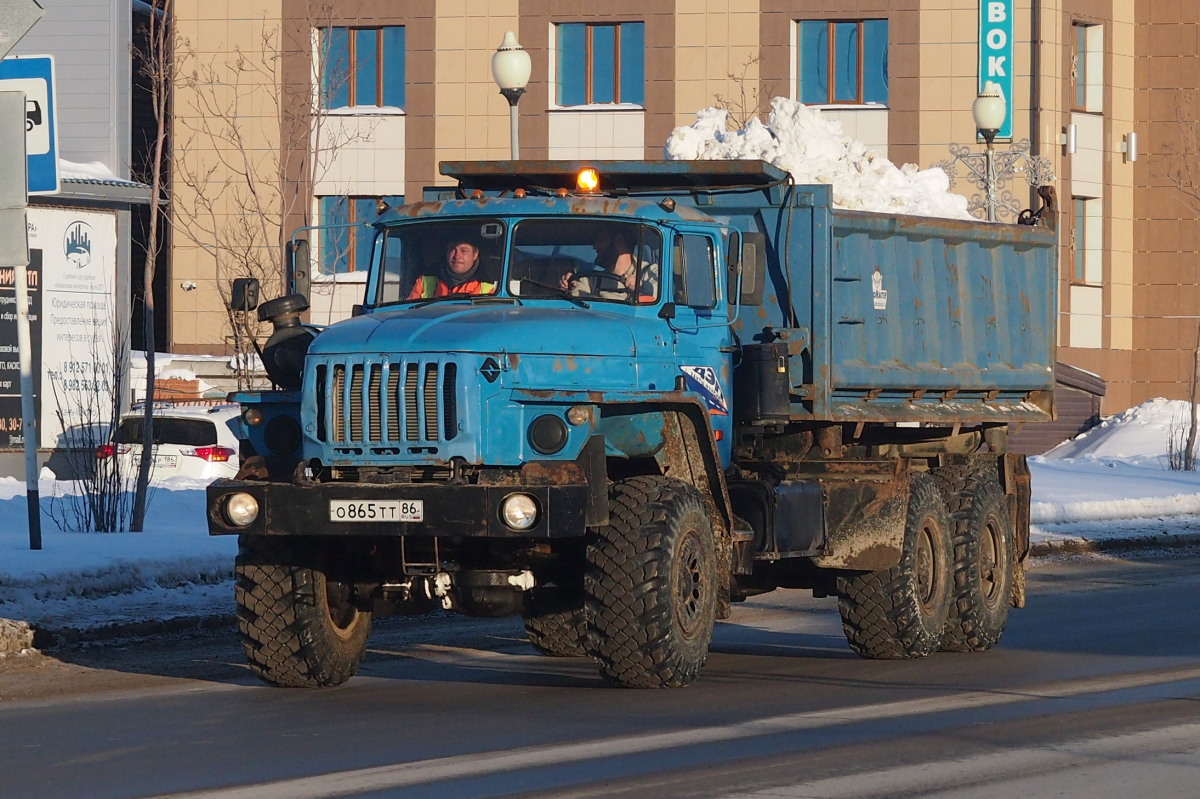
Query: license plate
point(162, 461)
point(376, 510)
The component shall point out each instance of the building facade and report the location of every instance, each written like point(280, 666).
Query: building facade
point(1102, 89)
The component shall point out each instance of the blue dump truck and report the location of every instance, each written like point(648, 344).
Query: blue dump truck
point(757, 391)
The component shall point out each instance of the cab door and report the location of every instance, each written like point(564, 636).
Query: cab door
point(699, 316)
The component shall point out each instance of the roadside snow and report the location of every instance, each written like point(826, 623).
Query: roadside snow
point(1107, 484)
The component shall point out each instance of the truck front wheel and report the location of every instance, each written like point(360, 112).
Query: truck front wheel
point(900, 612)
point(651, 585)
point(298, 626)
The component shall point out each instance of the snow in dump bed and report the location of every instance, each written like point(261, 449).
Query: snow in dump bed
point(815, 150)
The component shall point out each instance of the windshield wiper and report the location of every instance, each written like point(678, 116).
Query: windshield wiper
point(556, 292)
point(431, 300)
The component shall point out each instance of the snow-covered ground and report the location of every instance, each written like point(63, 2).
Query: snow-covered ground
point(1109, 483)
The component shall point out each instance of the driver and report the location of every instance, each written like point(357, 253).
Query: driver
point(458, 275)
point(614, 253)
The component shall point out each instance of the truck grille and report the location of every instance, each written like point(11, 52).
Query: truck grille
point(411, 402)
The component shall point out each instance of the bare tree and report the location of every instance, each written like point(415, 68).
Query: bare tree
point(87, 402)
point(158, 65)
point(1182, 170)
point(240, 197)
point(749, 103)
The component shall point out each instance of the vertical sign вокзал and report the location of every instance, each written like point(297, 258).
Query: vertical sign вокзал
point(996, 53)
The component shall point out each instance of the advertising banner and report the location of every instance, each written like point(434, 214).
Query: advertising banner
point(11, 436)
point(77, 251)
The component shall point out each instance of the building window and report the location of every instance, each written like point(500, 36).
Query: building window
point(842, 61)
point(362, 67)
point(347, 248)
point(1087, 241)
point(1087, 67)
point(600, 63)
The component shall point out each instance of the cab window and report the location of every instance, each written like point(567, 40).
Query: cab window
point(694, 271)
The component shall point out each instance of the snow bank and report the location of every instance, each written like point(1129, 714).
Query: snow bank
point(1136, 436)
point(815, 150)
point(1117, 470)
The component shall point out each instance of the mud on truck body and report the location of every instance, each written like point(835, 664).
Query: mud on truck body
point(804, 398)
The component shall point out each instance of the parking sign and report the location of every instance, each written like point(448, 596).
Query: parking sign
point(34, 75)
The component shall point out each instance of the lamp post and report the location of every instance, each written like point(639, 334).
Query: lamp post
point(510, 70)
point(989, 110)
point(997, 169)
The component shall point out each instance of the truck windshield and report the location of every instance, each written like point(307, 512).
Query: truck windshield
point(583, 259)
point(592, 259)
point(437, 259)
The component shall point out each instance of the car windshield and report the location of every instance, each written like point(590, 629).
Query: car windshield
point(570, 258)
point(188, 432)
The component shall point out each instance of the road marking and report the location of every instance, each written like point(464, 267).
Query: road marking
point(400, 775)
point(997, 772)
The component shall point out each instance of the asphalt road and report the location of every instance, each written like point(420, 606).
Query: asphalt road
point(1094, 691)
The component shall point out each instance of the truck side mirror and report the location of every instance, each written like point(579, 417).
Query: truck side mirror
point(299, 266)
point(754, 268)
point(243, 294)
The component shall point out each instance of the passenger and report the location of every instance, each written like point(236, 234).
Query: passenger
point(614, 253)
point(459, 274)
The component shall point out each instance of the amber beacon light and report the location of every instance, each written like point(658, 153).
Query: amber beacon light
point(588, 180)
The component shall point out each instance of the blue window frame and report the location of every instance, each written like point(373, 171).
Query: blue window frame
point(843, 61)
point(362, 66)
point(346, 249)
point(601, 63)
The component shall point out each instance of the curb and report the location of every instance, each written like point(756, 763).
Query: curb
point(1074, 546)
point(35, 639)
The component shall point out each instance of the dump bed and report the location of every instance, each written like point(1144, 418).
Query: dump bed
point(880, 317)
point(909, 318)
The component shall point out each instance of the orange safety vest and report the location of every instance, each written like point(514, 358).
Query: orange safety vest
point(428, 286)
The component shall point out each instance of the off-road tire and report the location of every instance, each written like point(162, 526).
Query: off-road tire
point(297, 627)
point(650, 586)
point(900, 612)
point(983, 564)
point(555, 624)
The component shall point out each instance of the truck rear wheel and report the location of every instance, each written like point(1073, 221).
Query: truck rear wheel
point(983, 566)
point(900, 612)
point(298, 627)
point(555, 624)
point(651, 585)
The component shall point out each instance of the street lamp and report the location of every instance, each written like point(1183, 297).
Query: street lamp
point(998, 168)
point(989, 110)
point(510, 70)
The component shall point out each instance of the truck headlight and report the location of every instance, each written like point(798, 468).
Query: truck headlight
point(548, 434)
point(241, 509)
point(519, 511)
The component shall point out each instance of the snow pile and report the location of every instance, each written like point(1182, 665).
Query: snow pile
point(1137, 436)
point(81, 580)
point(1117, 470)
point(815, 150)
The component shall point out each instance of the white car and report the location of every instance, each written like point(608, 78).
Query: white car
point(189, 441)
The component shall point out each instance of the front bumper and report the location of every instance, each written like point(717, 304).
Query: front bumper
point(450, 510)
